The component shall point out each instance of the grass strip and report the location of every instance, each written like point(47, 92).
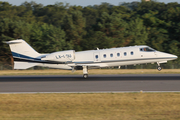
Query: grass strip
point(101, 106)
point(93, 71)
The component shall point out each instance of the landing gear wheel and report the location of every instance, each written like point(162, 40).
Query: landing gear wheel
point(159, 68)
point(85, 76)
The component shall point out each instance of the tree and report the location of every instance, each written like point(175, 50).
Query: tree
point(74, 26)
point(52, 14)
point(10, 30)
point(114, 28)
point(137, 32)
point(48, 38)
point(90, 14)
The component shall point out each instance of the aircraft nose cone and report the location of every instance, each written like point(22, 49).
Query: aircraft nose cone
point(167, 55)
point(172, 56)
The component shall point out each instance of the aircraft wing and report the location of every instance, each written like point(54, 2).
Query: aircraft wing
point(89, 65)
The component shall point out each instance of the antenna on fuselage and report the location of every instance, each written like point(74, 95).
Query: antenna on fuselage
point(96, 48)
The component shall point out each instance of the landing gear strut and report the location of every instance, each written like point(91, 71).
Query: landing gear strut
point(85, 72)
point(159, 67)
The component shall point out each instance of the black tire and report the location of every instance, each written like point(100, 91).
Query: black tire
point(85, 76)
point(159, 68)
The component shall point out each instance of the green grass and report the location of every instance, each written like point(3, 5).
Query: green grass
point(93, 71)
point(104, 106)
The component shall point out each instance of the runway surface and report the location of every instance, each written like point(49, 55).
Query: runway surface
point(95, 83)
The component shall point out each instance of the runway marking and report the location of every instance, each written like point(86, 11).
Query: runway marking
point(89, 92)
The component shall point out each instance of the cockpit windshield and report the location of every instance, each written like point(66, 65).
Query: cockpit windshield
point(148, 49)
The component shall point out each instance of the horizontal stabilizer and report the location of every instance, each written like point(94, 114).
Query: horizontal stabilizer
point(24, 65)
point(12, 42)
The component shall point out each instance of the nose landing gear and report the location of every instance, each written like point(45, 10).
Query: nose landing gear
point(159, 67)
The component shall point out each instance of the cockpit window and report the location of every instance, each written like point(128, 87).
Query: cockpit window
point(148, 49)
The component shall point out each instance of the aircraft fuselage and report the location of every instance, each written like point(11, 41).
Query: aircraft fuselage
point(25, 57)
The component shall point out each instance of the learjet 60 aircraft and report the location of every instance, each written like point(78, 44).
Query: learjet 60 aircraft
point(25, 57)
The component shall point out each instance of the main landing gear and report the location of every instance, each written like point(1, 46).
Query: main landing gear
point(159, 67)
point(85, 72)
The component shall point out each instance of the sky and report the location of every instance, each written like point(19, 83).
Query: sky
point(80, 2)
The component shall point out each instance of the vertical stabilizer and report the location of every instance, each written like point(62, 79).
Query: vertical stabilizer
point(21, 49)
point(23, 54)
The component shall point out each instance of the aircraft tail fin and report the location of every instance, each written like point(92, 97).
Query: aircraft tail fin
point(24, 55)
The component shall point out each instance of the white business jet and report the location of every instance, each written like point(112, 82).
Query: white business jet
point(25, 57)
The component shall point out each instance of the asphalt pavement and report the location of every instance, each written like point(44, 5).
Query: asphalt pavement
point(95, 83)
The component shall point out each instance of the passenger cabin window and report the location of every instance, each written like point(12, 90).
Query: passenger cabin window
point(118, 54)
point(96, 56)
point(104, 55)
point(147, 49)
point(132, 53)
point(125, 53)
point(111, 55)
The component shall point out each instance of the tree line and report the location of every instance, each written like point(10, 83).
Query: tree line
point(62, 27)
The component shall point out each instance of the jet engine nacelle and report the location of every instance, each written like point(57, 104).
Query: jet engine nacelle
point(61, 56)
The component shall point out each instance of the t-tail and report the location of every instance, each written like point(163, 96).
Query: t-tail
point(24, 55)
